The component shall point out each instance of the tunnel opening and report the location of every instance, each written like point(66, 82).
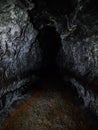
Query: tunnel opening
point(50, 42)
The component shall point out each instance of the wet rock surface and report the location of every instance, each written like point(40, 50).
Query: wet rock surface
point(19, 51)
point(78, 32)
point(26, 30)
point(77, 55)
point(17, 45)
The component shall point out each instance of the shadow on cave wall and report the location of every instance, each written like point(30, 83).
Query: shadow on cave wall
point(50, 42)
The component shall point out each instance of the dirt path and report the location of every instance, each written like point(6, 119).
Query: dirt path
point(52, 108)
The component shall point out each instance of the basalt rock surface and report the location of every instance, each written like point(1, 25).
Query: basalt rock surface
point(76, 25)
point(73, 23)
point(19, 52)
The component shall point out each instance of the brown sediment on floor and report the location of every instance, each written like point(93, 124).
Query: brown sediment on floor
point(52, 108)
point(22, 106)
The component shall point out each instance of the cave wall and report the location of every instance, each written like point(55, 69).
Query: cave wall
point(76, 22)
point(19, 51)
point(79, 42)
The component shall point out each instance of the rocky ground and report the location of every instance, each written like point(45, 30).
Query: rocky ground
point(54, 106)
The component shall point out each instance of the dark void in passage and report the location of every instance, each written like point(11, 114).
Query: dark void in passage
point(50, 43)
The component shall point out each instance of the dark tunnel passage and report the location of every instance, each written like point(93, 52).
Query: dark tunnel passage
point(50, 42)
point(47, 76)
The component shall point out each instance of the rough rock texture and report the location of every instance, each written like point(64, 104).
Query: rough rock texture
point(87, 97)
point(19, 51)
point(76, 23)
point(77, 26)
point(78, 56)
point(79, 44)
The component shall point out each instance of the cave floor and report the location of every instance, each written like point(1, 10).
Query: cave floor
point(52, 107)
